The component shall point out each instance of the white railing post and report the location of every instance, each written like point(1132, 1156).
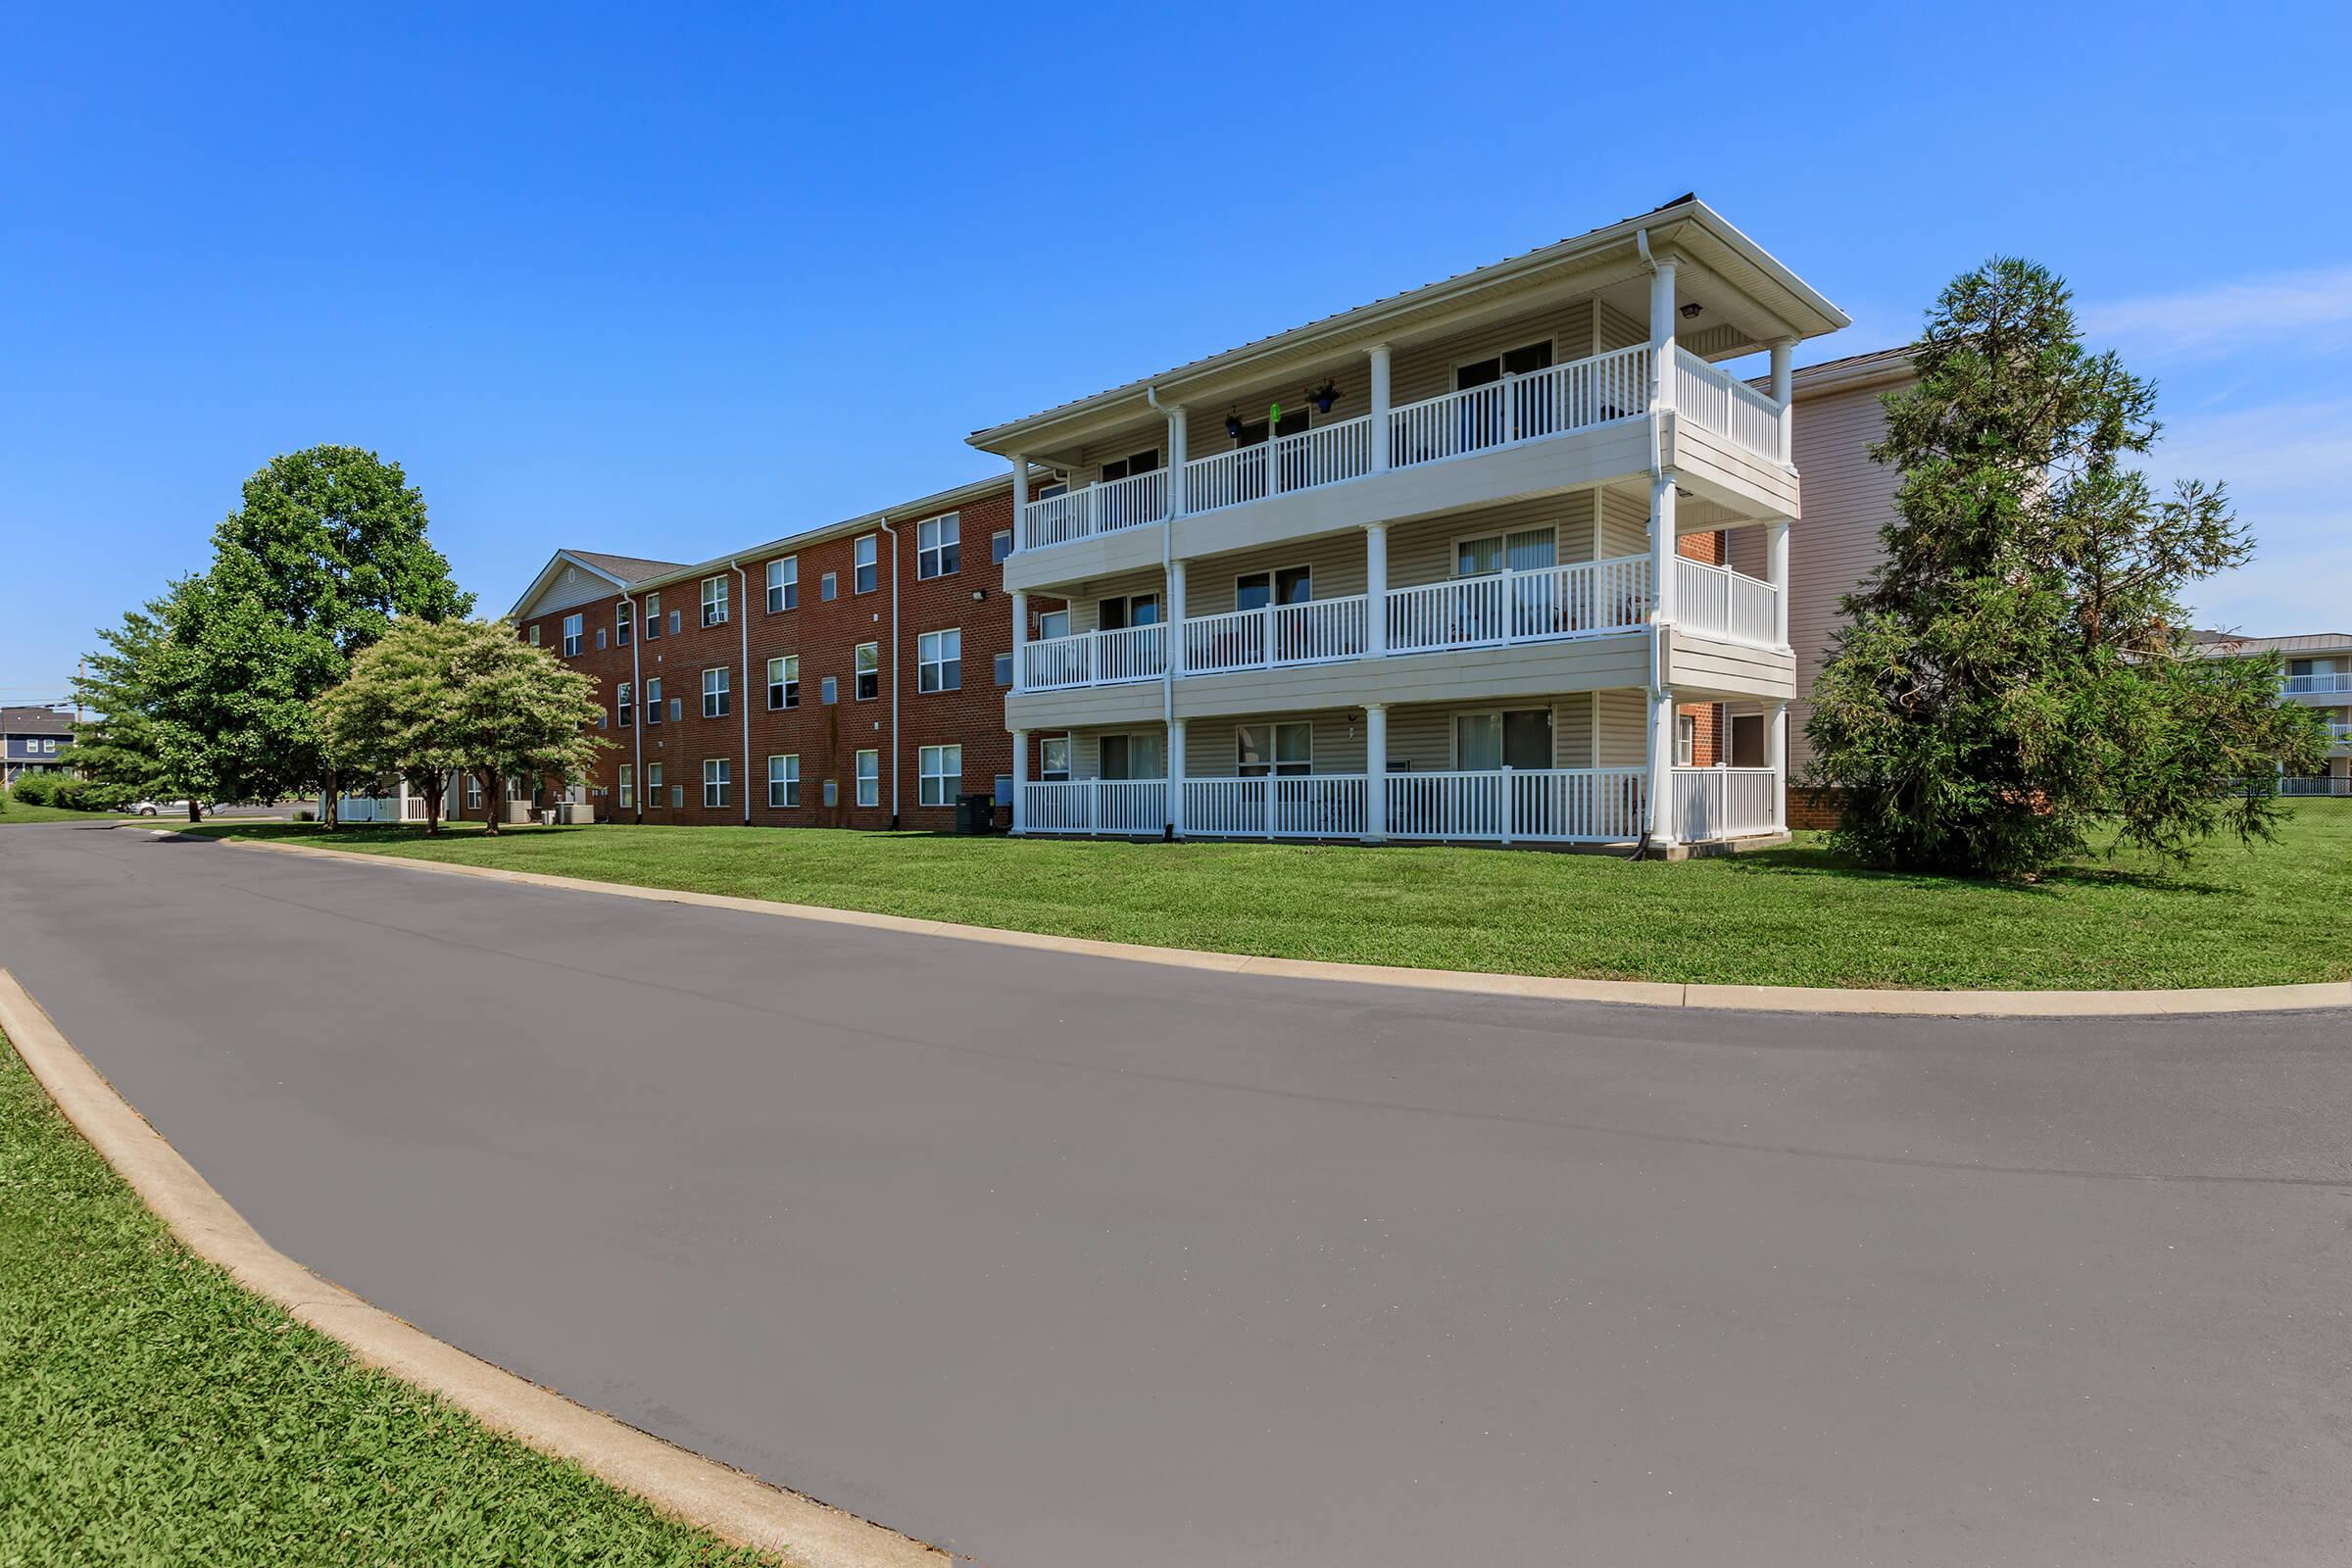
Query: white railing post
point(1020, 502)
point(1776, 572)
point(1175, 654)
point(1661, 813)
point(1376, 590)
point(1783, 383)
point(1378, 354)
point(1176, 462)
point(1376, 772)
point(1664, 548)
point(1776, 758)
point(1020, 781)
point(1175, 784)
point(1269, 806)
point(1020, 640)
point(1506, 807)
point(1265, 645)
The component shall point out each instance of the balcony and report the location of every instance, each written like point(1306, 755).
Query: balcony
point(1095, 658)
point(2318, 685)
point(1543, 405)
point(1507, 805)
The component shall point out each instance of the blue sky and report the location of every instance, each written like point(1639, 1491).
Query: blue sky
point(669, 280)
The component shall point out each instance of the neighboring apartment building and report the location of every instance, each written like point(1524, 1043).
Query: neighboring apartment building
point(30, 739)
point(1488, 561)
point(2319, 674)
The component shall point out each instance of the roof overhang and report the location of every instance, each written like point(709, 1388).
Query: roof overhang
point(554, 569)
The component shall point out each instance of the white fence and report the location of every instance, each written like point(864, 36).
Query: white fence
point(1723, 803)
point(1514, 806)
point(2310, 685)
point(1106, 507)
point(1508, 607)
point(1289, 806)
point(1121, 807)
point(1718, 401)
point(1725, 604)
point(1311, 633)
point(2315, 784)
point(1095, 658)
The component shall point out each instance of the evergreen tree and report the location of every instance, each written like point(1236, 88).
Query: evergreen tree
point(2017, 673)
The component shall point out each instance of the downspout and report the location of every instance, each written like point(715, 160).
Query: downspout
point(1168, 633)
point(894, 667)
point(743, 704)
point(636, 729)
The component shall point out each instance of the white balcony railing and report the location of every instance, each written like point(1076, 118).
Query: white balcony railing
point(1325, 455)
point(1576, 396)
point(2339, 731)
point(2315, 784)
point(1513, 805)
point(1510, 606)
point(2310, 685)
point(1718, 401)
point(1288, 806)
point(1095, 658)
point(1722, 602)
point(1312, 633)
point(1723, 803)
point(1127, 808)
point(1099, 509)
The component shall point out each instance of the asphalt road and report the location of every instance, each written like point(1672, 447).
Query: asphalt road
point(1064, 1262)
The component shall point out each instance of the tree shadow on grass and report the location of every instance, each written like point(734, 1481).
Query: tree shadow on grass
point(1805, 863)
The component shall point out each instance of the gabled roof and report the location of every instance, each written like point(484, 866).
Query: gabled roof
point(622, 569)
point(35, 721)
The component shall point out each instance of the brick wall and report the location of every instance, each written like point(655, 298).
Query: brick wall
point(1708, 735)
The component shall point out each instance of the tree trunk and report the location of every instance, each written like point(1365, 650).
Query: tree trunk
point(432, 790)
point(494, 796)
point(195, 812)
point(329, 803)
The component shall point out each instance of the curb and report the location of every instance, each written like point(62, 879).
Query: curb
point(727, 1503)
point(1549, 987)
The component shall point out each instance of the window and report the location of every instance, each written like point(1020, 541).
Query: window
point(941, 769)
point(784, 681)
point(677, 792)
point(675, 702)
point(674, 624)
point(832, 792)
point(1528, 549)
point(784, 781)
point(571, 636)
point(1003, 789)
point(1291, 585)
point(626, 780)
point(1514, 738)
point(864, 573)
point(828, 692)
point(653, 784)
point(624, 616)
point(1052, 623)
point(1518, 362)
point(1128, 468)
point(534, 636)
point(716, 775)
point(600, 719)
point(783, 585)
point(653, 700)
point(1133, 757)
point(869, 778)
point(1125, 610)
point(1283, 748)
point(715, 601)
point(600, 639)
point(939, 661)
point(828, 586)
point(714, 692)
point(1686, 739)
point(653, 616)
point(938, 546)
point(1000, 545)
point(1054, 760)
point(1003, 670)
point(473, 792)
point(869, 671)
point(624, 702)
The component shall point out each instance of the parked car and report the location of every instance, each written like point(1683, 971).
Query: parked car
point(158, 807)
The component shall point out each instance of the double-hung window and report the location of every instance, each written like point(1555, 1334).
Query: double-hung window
point(653, 616)
point(714, 692)
point(715, 601)
point(866, 575)
point(784, 584)
point(869, 671)
point(828, 587)
point(828, 691)
point(942, 774)
point(1686, 740)
point(653, 784)
point(938, 546)
point(1054, 760)
point(626, 779)
point(534, 636)
point(625, 703)
point(1283, 748)
point(653, 700)
point(1000, 545)
point(869, 778)
point(939, 661)
point(624, 616)
point(571, 636)
point(473, 792)
point(716, 775)
point(784, 681)
point(784, 780)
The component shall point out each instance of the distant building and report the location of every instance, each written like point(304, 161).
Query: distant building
point(34, 736)
point(2319, 674)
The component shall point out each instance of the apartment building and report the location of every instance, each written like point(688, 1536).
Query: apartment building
point(30, 739)
point(1505, 559)
point(2319, 674)
point(849, 675)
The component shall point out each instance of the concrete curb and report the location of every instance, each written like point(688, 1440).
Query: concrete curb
point(1637, 993)
point(727, 1503)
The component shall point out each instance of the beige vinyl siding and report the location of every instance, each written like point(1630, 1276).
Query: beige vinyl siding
point(569, 591)
point(1084, 599)
point(1426, 370)
point(1212, 745)
point(1335, 567)
point(1423, 552)
point(1623, 728)
point(1848, 499)
point(1624, 525)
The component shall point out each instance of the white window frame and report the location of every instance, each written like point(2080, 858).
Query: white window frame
point(1130, 737)
point(1686, 739)
point(1453, 732)
point(653, 784)
point(715, 697)
point(865, 661)
point(1274, 764)
point(783, 682)
point(936, 540)
point(715, 601)
point(865, 563)
point(1503, 537)
point(1273, 576)
point(1047, 772)
point(1000, 546)
point(938, 784)
point(869, 778)
point(534, 634)
point(786, 778)
point(653, 617)
point(624, 617)
point(653, 700)
point(938, 667)
point(624, 781)
point(783, 584)
point(573, 626)
point(473, 792)
point(625, 703)
point(719, 772)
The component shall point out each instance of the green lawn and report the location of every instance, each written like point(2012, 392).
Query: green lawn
point(152, 1411)
point(1794, 916)
point(13, 810)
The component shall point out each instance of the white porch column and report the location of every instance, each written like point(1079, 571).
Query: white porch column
point(1782, 350)
point(1175, 631)
point(1176, 777)
point(1661, 332)
point(1176, 456)
point(1020, 502)
point(1662, 826)
point(1376, 772)
point(1376, 589)
point(1020, 639)
point(404, 798)
point(1664, 547)
point(1020, 781)
point(1776, 572)
point(1378, 354)
point(1776, 758)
